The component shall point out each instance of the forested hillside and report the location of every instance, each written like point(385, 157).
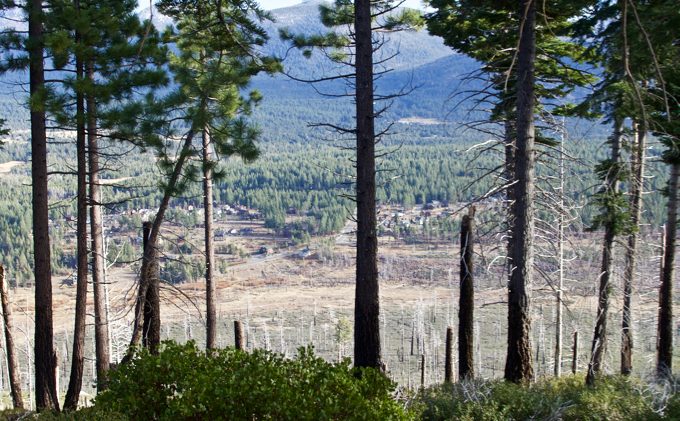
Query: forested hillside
point(333, 194)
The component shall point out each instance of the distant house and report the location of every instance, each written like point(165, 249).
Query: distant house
point(68, 281)
point(303, 253)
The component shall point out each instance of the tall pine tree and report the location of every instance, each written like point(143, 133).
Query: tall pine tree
point(355, 50)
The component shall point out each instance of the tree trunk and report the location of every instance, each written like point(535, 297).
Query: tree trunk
point(574, 358)
point(636, 189)
point(211, 322)
point(518, 365)
point(466, 310)
point(560, 264)
point(448, 362)
point(598, 346)
point(238, 336)
point(78, 355)
point(45, 357)
point(367, 307)
point(664, 362)
point(12, 366)
point(152, 320)
point(150, 253)
point(101, 321)
point(510, 134)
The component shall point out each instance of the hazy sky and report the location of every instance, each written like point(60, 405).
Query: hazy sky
point(274, 4)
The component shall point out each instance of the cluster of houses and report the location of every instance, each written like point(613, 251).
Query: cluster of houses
point(390, 218)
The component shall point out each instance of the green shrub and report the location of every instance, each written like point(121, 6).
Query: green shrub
point(183, 382)
point(567, 398)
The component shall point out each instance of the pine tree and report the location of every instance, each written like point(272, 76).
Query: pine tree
point(111, 53)
point(44, 355)
point(217, 57)
point(356, 50)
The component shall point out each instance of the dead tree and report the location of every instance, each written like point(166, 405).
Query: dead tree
point(611, 220)
point(238, 335)
point(12, 366)
point(448, 363)
point(664, 362)
point(467, 298)
point(637, 186)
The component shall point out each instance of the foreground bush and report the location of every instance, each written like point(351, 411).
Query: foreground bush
point(567, 398)
point(183, 382)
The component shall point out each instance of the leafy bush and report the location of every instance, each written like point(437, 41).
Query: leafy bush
point(183, 382)
point(567, 398)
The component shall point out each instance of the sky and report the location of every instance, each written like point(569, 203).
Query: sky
point(275, 4)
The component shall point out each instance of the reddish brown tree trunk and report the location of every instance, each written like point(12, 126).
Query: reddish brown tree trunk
point(45, 358)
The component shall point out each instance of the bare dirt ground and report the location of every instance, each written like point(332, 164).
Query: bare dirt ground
point(6, 167)
point(285, 302)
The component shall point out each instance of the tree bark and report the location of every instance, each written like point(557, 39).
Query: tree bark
point(151, 253)
point(560, 264)
point(448, 362)
point(466, 310)
point(238, 336)
point(637, 186)
point(78, 355)
point(510, 134)
point(367, 306)
point(574, 358)
point(211, 322)
point(12, 366)
point(598, 346)
point(664, 362)
point(45, 357)
point(101, 321)
point(152, 320)
point(518, 365)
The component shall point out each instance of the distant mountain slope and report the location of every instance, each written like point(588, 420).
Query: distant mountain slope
point(419, 61)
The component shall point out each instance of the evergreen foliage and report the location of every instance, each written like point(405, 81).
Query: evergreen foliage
point(183, 382)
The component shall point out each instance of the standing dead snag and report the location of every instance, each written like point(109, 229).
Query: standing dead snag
point(664, 362)
point(448, 363)
point(238, 335)
point(637, 167)
point(467, 298)
point(614, 221)
point(12, 367)
point(574, 359)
